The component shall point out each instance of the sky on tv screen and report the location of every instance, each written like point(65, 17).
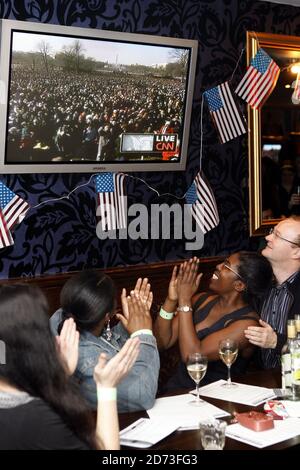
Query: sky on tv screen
point(99, 49)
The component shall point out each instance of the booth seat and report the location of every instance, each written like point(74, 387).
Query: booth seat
point(126, 276)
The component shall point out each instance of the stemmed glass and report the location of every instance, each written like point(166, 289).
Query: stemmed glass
point(196, 367)
point(228, 350)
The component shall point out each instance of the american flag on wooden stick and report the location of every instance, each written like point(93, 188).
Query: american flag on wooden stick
point(111, 200)
point(202, 203)
point(259, 80)
point(12, 211)
point(227, 118)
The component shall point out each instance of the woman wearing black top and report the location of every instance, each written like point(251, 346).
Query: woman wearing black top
point(40, 405)
point(203, 320)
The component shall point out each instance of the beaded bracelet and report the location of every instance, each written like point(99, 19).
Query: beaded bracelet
point(166, 315)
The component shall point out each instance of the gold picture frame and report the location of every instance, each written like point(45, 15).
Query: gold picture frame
point(288, 48)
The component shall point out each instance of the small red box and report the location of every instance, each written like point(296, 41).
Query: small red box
point(255, 420)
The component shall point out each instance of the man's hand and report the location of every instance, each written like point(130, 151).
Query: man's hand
point(263, 336)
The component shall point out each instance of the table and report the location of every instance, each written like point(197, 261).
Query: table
point(190, 440)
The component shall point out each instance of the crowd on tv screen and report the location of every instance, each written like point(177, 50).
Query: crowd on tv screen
point(67, 116)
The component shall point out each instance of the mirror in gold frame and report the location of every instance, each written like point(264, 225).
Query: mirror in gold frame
point(274, 137)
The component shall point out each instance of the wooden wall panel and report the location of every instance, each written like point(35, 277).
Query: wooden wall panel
point(125, 276)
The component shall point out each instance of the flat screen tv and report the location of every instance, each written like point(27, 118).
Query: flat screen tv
point(87, 100)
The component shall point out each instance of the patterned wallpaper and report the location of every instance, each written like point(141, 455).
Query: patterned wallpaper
point(61, 236)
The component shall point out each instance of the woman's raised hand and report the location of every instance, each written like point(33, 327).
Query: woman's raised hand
point(110, 373)
point(172, 291)
point(68, 345)
point(142, 290)
point(138, 317)
point(188, 280)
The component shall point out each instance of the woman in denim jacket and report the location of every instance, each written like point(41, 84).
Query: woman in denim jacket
point(89, 298)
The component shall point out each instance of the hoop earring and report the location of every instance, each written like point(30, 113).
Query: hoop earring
point(108, 333)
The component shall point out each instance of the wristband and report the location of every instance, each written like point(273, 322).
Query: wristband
point(141, 332)
point(106, 394)
point(166, 315)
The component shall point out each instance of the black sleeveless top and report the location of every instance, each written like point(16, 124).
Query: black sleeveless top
point(216, 370)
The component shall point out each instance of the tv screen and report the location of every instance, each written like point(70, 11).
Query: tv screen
point(84, 100)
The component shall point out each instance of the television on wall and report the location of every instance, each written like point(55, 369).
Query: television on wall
point(86, 100)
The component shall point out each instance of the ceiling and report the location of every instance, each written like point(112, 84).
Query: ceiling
point(295, 3)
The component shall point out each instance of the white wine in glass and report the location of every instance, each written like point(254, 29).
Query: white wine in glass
point(196, 367)
point(228, 351)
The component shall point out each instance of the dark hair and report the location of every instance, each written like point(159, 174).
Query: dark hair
point(256, 271)
point(32, 363)
point(88, 297)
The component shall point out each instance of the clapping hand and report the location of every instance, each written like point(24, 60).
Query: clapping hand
point(110, 373)
point(138, 315)
point(172, 291)
point(142, 290)
point(68, 344)
point(188, 280)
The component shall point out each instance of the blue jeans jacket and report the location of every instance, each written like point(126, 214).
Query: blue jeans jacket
point(138, 389)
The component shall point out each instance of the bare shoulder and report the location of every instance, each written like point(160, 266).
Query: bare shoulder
point(249, 319)
point(242, 322)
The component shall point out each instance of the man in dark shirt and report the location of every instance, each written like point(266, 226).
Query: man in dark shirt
point(283, 299)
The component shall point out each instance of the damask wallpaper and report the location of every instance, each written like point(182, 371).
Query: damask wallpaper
point(61, 236)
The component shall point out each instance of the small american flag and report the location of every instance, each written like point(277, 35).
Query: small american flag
point(259, 80)
point(12, 212)
point(202, 203)
point(111, 200)
point(227, 118)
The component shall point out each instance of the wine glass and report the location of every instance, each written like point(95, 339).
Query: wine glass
point(196, 366)
point(228, 350)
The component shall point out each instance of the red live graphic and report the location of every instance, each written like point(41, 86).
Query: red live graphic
point(163, 142)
